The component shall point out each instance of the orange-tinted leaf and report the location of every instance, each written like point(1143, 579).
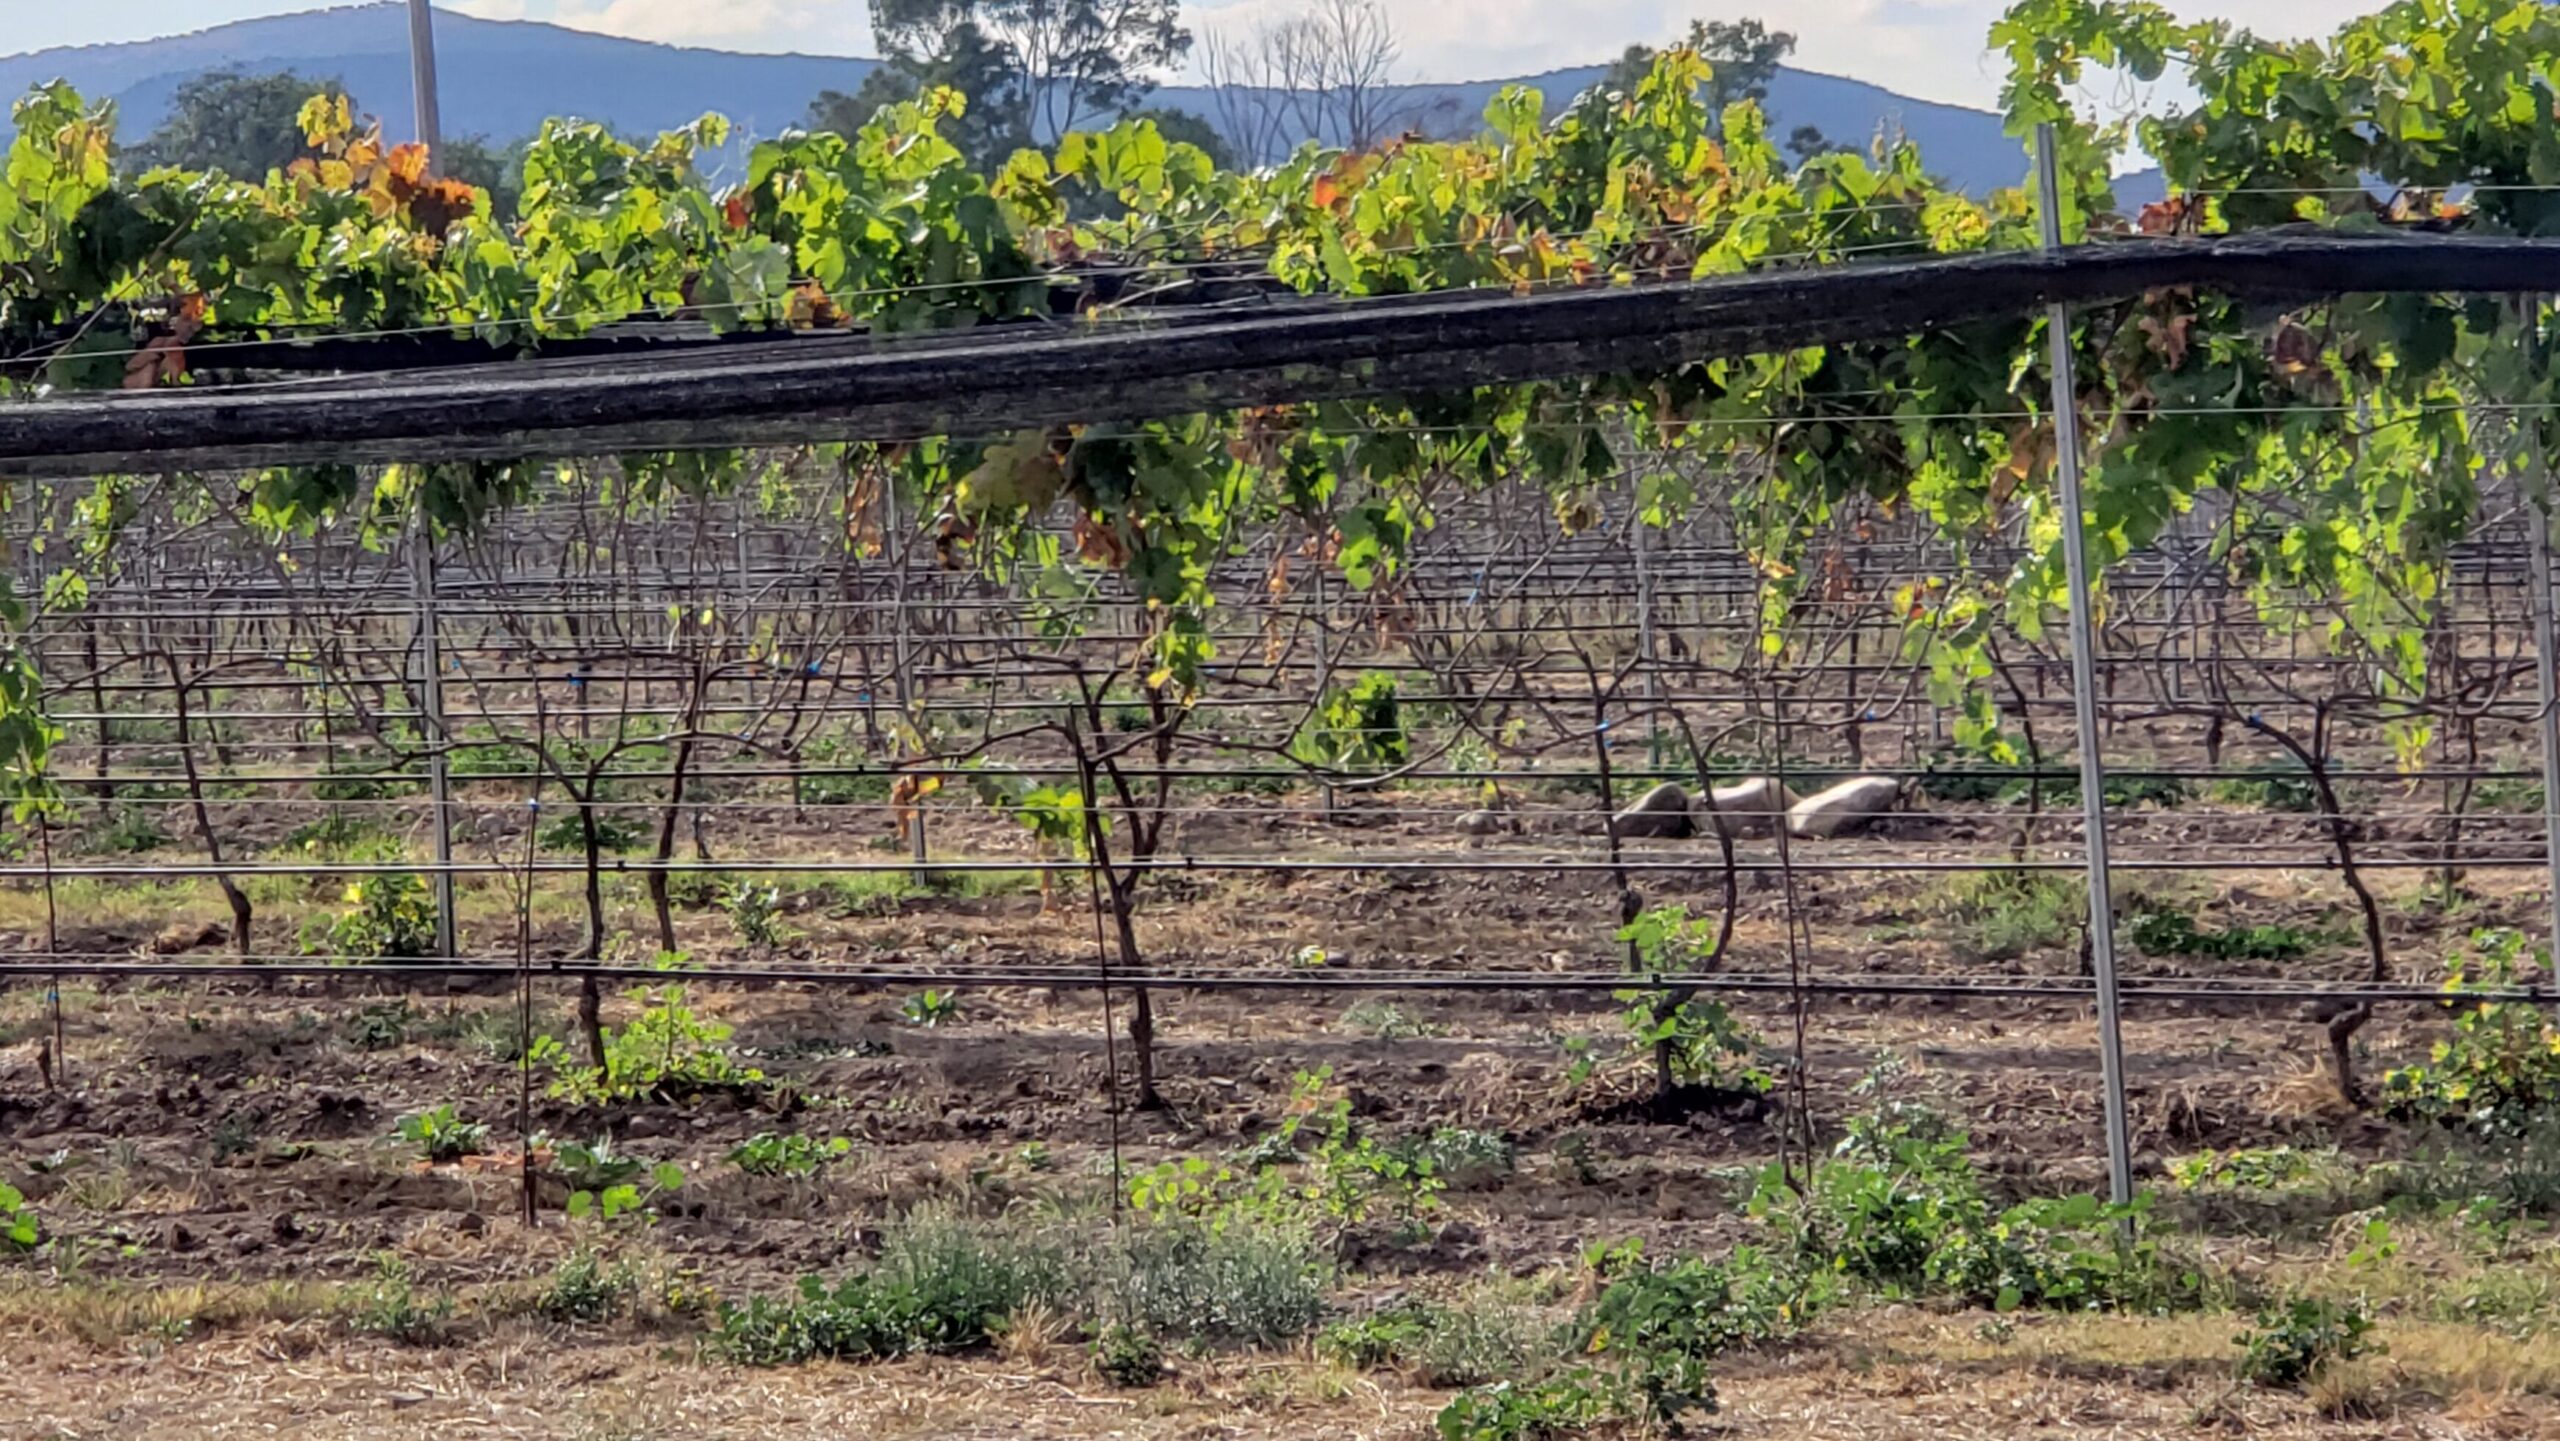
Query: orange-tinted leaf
point(736, 211)
point(408, 163)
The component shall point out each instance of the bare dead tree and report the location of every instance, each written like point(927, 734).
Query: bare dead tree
point(1326, 73)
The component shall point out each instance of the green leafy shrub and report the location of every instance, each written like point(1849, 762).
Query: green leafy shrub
point(1899, 1207)
point(2174, 933)
point(391, 916)
point(1694, 1307)
point(1707, 1045)
point(1566, 1404)
point(2501, 1067)
point(1243, 1284)
point(1359, 727)
point(392, 1308)
point(441, 1135)
point(1127, 1357)
point(941, 1285)
point(667, 1053)
point(769, 1154)
point(2294, 1342)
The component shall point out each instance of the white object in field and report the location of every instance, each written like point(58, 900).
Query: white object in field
point(1844, 808)
point(1659, 814)
point(1746, 808)
point(1483, 823)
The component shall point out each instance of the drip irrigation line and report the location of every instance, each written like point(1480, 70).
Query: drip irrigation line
point(1080, 977)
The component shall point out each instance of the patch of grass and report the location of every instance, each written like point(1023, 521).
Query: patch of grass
point(583, 1289)
point(2003, 915)
point(393, 1308)
point(943, 1283)
point(616, 834)
point(107, 1313)
point(1385, 1021)
point(2283, 788)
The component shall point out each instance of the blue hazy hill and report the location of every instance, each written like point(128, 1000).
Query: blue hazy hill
point(503, 78)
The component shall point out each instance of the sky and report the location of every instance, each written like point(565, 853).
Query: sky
point(1932, 49)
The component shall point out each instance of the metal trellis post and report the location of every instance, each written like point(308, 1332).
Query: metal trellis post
point(422, 79)
point(2084, 693)
point(2538, 507)
point(422, 571)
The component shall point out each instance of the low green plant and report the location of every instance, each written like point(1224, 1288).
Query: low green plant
point(1696, 1308)
point(754, 909)
point(942, 1284)
point(339, 836)
point(931, 1008)
point(666, 1053)
point(567, 835)
point(1463, 1158)
point(2500, 1069)
point(2294, 1341)
point(1385, 1021)
point(1127, 1357)
point(390, 1307)
point(1355, 727)
point(1251, 1284)
point(2268, 788)
point(1899, 1207)
point(2003, 915)
point(1472, 1342)
point(2174, 933)
point(381, 1027)
point(770, 1154)
point(1550, 1409)
point(18, 1228)
point(128, 830)
point(389, 916)
point(637, 1198)
point(441, 1135)
point(583, 1289)
point(2258, 1168)
point(597, 1165)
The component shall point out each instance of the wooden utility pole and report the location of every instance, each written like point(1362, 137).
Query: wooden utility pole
point(422, 78)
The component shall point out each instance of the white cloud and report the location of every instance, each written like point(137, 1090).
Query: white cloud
point(822, 26)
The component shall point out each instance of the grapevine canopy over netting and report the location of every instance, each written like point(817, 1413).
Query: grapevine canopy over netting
point(2340, 444)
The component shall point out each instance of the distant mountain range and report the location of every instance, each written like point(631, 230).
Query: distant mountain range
point(501, 79)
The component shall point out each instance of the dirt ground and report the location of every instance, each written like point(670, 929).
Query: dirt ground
point(215, 1175)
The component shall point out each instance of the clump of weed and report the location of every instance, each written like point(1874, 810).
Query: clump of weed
point(1127, 1357)
point(391, 1307)
point(2294, 1342)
